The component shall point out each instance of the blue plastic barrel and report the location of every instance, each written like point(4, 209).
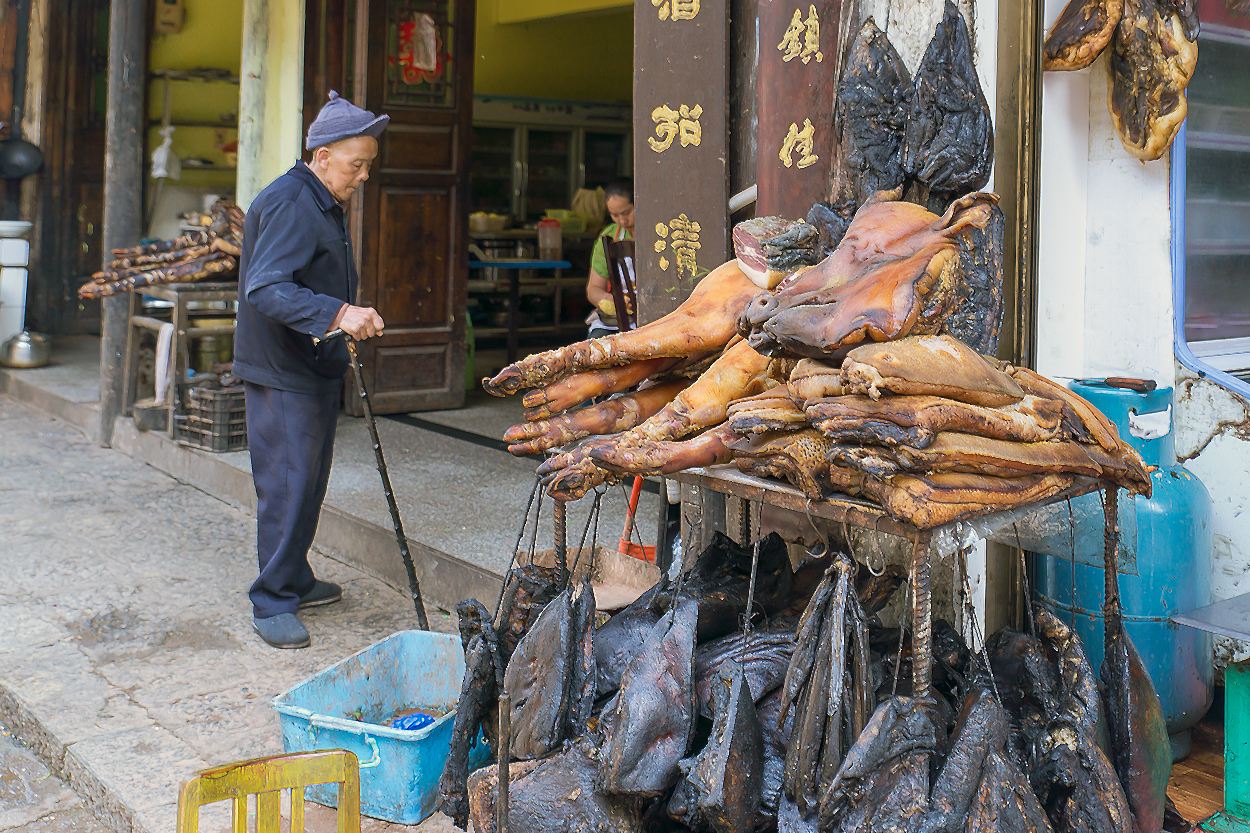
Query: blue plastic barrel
point(1171, 573)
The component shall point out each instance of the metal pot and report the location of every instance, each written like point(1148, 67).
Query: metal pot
point(26, 349)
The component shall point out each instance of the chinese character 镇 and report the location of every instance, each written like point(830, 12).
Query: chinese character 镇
point(802, 141)
point(802, 37)
point(672, 124)
point(676, 9)
point(683, 243)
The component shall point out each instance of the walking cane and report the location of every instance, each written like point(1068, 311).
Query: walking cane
point(414, 587)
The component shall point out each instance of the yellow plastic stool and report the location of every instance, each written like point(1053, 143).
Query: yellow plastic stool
point(266, 778)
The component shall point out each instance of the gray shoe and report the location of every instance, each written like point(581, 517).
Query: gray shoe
point(323, 593)
point(282, 631)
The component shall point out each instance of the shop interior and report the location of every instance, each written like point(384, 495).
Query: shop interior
point(551, 116)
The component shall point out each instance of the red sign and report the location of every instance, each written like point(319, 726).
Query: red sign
point(1234, 14)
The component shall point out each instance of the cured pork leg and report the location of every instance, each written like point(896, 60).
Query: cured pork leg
point(929, 365)
point(609, 417)
point(874, 98)
point(1153, 56)
point(1080, 34)
point(667, 456)
point(704, 323)
point(895, 274)
point(916, 420)
point(933, 500)
point(582, 387)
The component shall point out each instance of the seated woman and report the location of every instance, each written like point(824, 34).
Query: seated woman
point(620, 201)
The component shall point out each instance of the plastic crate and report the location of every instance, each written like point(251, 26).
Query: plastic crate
point(212, 419)
point(349, 704)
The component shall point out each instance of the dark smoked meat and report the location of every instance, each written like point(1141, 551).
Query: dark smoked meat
point(1080, 34)
point(874, 98)
point(1153, 56)
point(948, 143)
point(831, 220)
point(977, 319)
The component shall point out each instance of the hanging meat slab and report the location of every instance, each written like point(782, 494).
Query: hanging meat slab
point(874, 99)
point(948, 142)
point(1153, 56)
point(928, 366)
point(895, 274)
point(763, 655)
point(1080, 34)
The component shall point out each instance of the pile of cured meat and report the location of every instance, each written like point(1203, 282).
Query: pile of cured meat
point(1154, 52)
point(211, 251)
point(855, 375)
point(675, 715)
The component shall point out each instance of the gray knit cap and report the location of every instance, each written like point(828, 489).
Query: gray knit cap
point(340, 119)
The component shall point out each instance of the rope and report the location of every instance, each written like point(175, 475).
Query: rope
point(516, 548)
point(1024, 582)
point(971, 612)
point(747, 614)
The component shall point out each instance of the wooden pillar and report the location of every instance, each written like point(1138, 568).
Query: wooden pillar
point(252, 100)
point(123, 186)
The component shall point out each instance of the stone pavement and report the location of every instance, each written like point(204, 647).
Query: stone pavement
point(127, 660)
point(34, 800)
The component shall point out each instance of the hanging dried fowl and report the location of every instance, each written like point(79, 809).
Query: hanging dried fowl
point(195, 256)
point(611, 416)
point(874, 100)
point(1080, 34)
point(1153, 56)
point(895, 274)
point(704, 323)
point(948, 140)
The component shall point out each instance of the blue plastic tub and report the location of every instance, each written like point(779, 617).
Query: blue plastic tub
point(350, 704)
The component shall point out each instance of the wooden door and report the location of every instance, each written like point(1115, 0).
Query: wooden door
point(414, 61)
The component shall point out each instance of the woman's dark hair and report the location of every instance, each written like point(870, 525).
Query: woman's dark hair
point(622, 186)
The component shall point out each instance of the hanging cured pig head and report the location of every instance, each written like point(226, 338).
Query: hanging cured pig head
point(896, 273)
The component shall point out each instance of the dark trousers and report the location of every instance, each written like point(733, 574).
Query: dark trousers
point(291, 440)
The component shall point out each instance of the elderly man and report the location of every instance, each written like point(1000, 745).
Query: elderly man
point(297, 279)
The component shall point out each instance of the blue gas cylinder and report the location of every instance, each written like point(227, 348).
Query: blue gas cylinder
point(1171, 572)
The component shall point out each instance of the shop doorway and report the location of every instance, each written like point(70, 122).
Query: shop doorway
point(415, 63)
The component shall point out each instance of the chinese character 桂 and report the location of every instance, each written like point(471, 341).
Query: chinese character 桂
point(803, 141)
point(680, 236)
point(802, 37)
point(677, 9)
point(682, 123)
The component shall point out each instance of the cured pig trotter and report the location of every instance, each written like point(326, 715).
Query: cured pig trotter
point(611, 416)
point(874, 100)
point(1080, 33)
point(895, 274)
point(916, 420)
point(928, 366)
point(704, 323)
point(582, 387)
point(948, 140)
point(1153, 56)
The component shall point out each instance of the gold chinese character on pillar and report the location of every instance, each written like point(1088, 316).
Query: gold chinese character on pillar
point(802, 38)
point(681, 124)
point(680, 237)
point(676, 9)
point(800, 141)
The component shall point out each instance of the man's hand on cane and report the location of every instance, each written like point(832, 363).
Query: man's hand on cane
point(360, 322)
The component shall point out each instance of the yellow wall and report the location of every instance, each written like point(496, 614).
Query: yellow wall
point(210, 38)
point(587, 57)
point(520, 11)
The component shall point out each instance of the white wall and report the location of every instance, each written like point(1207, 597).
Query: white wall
point(1105, 297)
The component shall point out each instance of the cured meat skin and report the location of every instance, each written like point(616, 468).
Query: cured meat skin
point(1153, 56)
point(763, 656)
point(874, 99)
point(1080, 33)
point(916, 420)
point(608, 417)
point(929, 365)
point(977, 319)
point(582, 387)
point(812, 379)
point(895, 274)
point(929, 501)
point(772, 410)
point(703, 323)
point(799, 457)
point(948, 141)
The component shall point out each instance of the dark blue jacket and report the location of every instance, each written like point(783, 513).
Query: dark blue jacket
point(295, 273)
